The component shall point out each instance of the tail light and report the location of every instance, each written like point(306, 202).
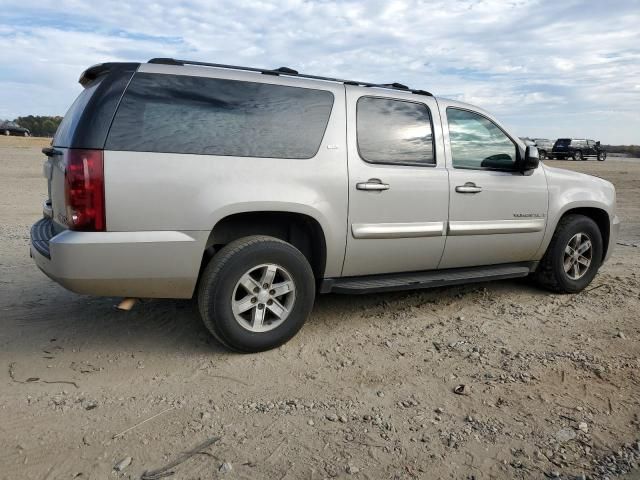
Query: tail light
point(84, 190)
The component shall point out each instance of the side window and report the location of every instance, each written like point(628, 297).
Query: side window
point(394, 131)
point(212, 116)
point(478, 143)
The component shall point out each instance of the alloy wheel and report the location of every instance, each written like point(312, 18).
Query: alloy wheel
point(263, 298)
point(577, 256)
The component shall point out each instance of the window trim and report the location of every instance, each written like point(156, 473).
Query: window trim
point(515, 144)
point(315, 154)
point(399, 164)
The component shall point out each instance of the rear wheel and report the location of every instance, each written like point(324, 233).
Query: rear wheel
point(542, 154)
point(256, 293)
point(573, 256)
point(578, 156)
point(26, 134)
point(602, 156)
point(7, 133)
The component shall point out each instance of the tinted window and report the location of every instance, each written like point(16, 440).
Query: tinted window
point(563, 142)
point(394, 131)
point(477, 142)
point(182, 114)
point(67, 127)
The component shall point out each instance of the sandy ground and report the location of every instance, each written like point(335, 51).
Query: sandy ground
point(365, 390)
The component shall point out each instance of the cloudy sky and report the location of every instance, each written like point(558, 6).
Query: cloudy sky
point(547, 68)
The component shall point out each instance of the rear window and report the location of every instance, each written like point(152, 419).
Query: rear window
point(211, 116)
point(563, 142)
point(67, 128)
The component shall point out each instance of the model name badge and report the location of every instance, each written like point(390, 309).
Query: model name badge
point(528, 215)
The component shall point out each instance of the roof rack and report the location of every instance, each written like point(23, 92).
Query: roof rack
point(290, 73)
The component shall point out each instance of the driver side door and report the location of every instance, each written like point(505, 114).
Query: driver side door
point(496, 214)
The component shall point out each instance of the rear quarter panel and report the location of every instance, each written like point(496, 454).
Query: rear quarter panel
point(186, 192)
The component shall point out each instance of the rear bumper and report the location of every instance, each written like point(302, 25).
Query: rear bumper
point(613, 237)
point(157, 264)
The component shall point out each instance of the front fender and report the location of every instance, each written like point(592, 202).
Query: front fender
point(569, 191)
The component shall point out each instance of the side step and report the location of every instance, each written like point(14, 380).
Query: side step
point(429, 279)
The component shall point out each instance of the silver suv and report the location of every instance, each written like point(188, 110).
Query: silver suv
point(255, 189)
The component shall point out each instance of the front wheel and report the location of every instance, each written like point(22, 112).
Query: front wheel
point(602, 156)
point(542, 154)
point(256, 293)
point(573, 256)
point(7, 133)
point(26, 134)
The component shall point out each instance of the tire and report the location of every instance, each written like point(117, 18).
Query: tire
point(245, 261)
point(542, 154)
point(551, 273)
point(7, 133)
point(577, 156)
point(26, 134)
point(602, 156)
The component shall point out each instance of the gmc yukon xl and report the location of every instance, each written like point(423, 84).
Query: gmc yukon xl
point(255, 189)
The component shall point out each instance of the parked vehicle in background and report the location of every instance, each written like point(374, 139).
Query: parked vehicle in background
point(254, 189)
point(11, 128)
point(544, 146)
point(578, 149)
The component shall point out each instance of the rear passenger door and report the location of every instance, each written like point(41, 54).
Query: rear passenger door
point(398, 187)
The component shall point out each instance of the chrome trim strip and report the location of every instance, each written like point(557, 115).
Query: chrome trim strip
point(397, 230)
point(496, 226)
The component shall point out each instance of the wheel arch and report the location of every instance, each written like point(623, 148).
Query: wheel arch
point(303, 231)
point(596, 213)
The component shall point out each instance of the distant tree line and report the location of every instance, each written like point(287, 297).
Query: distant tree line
point(631, 150)
point(40, 126)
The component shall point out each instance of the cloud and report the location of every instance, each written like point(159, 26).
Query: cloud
point(542, 66)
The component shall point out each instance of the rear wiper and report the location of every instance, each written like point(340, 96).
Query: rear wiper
point(51, 152)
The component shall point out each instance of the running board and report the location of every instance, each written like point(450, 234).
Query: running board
point(429, 279)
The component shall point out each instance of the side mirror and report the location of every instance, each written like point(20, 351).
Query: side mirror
point(531, 159)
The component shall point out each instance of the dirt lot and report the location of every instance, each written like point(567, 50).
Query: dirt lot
point(364, 391)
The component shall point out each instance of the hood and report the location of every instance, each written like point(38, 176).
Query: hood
point(569, 175)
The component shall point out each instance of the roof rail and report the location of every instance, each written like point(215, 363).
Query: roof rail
point(290, 73)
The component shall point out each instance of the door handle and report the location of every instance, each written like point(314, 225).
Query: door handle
point(468, 187)
point(373, 185)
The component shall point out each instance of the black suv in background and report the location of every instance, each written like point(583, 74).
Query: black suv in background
point(578, 149)
point(544, 147)
point(11, 128)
